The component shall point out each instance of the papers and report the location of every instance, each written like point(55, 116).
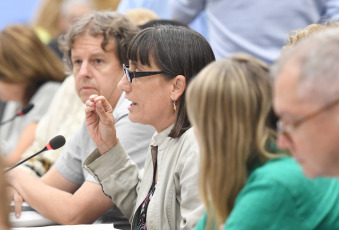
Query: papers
point(73, 227)
point(29, 217)
point(32, 220)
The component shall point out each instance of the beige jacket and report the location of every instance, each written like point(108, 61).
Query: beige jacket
point(175, 203)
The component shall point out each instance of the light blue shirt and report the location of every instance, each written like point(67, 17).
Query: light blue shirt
point(161, 8)
point(257, 27)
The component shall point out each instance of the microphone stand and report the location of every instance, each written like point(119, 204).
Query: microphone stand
point(23, 161)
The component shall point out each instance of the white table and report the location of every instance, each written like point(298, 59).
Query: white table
point(32, 220)
point(71, 227)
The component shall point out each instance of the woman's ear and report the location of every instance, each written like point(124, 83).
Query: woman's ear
point(178, 87)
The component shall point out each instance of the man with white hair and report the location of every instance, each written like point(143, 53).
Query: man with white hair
point(306, 98)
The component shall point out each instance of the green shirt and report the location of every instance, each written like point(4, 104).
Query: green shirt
point(278, 196)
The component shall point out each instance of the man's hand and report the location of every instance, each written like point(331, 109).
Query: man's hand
point(17, 199)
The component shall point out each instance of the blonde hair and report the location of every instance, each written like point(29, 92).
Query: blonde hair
point(140, 16)
point(25, 59)
point(295, 36)
point(48, 17)
point(106, 4)
point(229, 103)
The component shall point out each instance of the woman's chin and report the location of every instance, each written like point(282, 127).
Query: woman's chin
point(133, 118)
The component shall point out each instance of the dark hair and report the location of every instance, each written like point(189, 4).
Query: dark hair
point(159, 22)
point(176, 50)
point(109, 24)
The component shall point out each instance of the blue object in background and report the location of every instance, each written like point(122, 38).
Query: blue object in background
point(17, 11)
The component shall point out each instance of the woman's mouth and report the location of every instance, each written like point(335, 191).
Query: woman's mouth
point(131, 106)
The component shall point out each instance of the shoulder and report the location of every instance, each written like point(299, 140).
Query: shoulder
point(188, 138)
point(280, 188)
point(287, 174)
point(49, 87)
point(80, 142)
point(282, 170)
point(45, 93)
point(186, 146)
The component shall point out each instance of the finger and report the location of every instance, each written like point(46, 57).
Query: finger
point(90, 106)
point(92, 97)
point(89, 103)
point(106, 105)
point(18, 204)
point(100, 110)
point(89, 112)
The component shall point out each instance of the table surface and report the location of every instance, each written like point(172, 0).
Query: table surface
point(71, 227)
point(32, 220)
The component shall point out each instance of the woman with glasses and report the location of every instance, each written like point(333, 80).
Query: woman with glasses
point(162, 62)
point(245, 182)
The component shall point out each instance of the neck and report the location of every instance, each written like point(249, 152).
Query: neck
point(164, 125)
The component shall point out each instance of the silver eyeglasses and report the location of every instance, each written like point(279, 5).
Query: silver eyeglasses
point(285, 129)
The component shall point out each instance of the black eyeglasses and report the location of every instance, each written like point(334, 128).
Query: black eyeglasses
point(286, 129)
point(130, 75)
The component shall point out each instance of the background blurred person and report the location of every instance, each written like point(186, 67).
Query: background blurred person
point(29, 73)
point(244, 181)
point(162, 62)
point(46, 20)
point(159, 22)
point(237, 26)
point(60, 119)
point(69, 11)
point(140, 16)
point(162, 9)
point(55, 16)
point(107, 4)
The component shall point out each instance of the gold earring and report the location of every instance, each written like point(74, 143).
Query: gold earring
point(175, 105)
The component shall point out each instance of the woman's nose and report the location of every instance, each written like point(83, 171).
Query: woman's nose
point(124, 85)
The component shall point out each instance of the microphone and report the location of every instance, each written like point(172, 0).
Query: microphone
point(55, 143)
point(21, 112)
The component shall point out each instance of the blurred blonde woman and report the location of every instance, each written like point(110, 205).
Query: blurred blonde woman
point(245, 182)
point(30, 73)
point(140, 16)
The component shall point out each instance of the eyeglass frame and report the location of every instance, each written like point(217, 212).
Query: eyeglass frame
point(130, 75)
point(294, 125)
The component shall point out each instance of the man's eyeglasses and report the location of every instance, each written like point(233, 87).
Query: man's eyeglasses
point(130, 75)
point(285, 129)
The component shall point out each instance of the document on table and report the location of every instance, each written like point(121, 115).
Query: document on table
point(32, 220)
point(29, 217)
point(73, 227)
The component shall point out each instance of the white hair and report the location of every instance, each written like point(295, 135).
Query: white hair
point(317, 60)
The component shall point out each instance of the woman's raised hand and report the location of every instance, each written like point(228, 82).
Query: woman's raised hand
point(100, 123)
